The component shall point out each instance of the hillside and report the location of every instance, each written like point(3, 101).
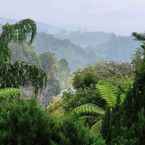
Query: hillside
point(83, 48)
point(106, 45)
point(74, 54)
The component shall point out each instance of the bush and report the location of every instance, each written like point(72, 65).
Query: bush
point(69, 131)
point(82, 96)
point(7, 96)
point(9, 93)
point(84, 79)
point(23, 122)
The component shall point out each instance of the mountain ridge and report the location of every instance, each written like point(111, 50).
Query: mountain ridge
point(82, 48)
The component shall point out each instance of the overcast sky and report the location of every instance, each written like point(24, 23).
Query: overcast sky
point(119, 16)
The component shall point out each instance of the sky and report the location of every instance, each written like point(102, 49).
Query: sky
point(118, 16)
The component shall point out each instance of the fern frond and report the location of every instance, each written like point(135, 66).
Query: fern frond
point(96, 127)
point(108, 92)
point(89, 109)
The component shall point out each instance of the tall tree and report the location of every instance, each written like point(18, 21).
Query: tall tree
point(128, 120)
point(135, 102)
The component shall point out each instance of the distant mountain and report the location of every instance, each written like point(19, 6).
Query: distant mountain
point(117, 48)
point(74, 54)
point(42, 27)
point(85, 39)
point(106, 45)
point(81, 48)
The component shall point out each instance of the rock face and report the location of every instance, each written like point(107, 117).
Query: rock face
point(25, 52)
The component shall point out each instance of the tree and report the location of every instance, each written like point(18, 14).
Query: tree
point(128, 120)
point(134, 103)
point(85, 78)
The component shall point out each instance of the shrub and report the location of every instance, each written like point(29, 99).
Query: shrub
point(23, 122)
point(84, 79)
point(69, 131)
point(82, 96)
point(9, 93)
point(7, 96)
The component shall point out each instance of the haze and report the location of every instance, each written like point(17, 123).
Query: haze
point(118, 16)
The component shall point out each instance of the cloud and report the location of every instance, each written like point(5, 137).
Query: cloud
point(120, 16)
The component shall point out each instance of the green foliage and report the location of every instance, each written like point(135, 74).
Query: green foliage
point(126, 122)
point(97, 91)
point(24, 122)
point(108, 92)
point(69, 131)
point(18, 32)
point(71, 99)
point(111, 89)
point(134, 103)
point(14, 75)
point(9, 93)
point(89, 109)
point(110, 70)
point(96, 127)
point(104, 101)
point(84, 79)
point(108, 75)
point(125, 137)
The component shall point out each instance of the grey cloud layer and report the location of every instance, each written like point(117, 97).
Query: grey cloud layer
point(120, 16)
